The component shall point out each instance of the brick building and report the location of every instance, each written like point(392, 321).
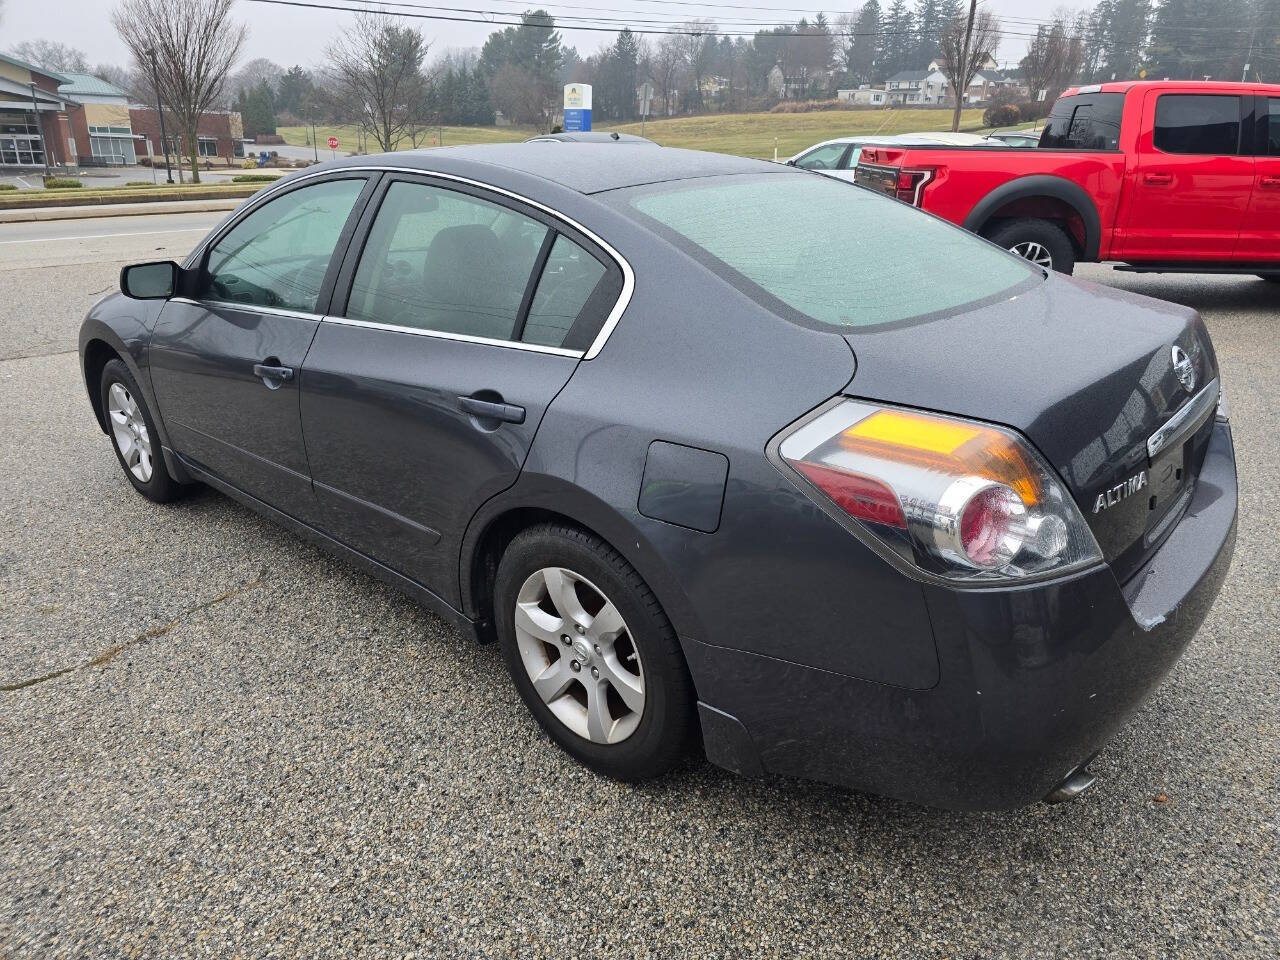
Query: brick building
point(220, 133)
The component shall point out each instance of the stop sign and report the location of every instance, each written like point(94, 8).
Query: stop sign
point(333, 143)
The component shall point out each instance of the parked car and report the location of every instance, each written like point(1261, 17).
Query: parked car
point(839, 157)
point(590, 136)
point(1016, 138)
point(1167, 176)
point(699, 443)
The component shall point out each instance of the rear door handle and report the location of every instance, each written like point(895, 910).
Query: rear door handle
point(272, 372)
point(490, 410)
point(1158, 179)
point(1269, 181)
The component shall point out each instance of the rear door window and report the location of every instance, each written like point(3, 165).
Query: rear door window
point(445, 261)
point(1269, 122)
point(1205, 124)
point(1088, 121)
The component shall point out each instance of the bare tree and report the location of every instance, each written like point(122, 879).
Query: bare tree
point(194, 43)
point(667, 62)
point(376, 73)
point(699, 47)
point(1054, 57)
point(966, 43)
point(52, 55)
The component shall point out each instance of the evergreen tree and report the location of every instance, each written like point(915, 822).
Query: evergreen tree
point(1126, 33)
point(863, 48)
point(898, 43)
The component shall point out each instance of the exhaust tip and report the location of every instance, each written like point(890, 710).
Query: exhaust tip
point(1075, 785)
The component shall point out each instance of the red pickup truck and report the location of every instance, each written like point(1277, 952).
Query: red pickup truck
point(1157, 176)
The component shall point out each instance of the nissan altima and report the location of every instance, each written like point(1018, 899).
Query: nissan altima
point(727, 456)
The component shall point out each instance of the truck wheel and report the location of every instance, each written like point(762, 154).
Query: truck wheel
point(1042, 242)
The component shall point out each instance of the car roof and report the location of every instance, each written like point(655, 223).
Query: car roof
point(590, 136)
point(587, 168)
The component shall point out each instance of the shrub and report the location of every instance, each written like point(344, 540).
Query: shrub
point(61, 183)
point(139, 183)
point(810, 106)
point(1001, 115)
point(1034, 109)
point(8, 186)
point(254, 178)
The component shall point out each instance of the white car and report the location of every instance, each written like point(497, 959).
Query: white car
point(838, 158)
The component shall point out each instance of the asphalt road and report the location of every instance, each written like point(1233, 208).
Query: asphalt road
point(217, 741)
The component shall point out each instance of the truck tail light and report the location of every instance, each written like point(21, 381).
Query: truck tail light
point(911, 184)
point(962, 500)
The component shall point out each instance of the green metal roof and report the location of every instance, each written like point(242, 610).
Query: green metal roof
point(87, 85)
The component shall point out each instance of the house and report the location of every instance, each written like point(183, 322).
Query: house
point(940, 63)
point(915, 87)
point(864, 95)
point(795, 85)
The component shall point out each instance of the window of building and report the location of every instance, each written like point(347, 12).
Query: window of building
point(208, 147)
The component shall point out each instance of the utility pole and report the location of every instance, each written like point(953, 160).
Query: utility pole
point(315, 149)
point(164, 140)
point(35, 113)
point(962, 68)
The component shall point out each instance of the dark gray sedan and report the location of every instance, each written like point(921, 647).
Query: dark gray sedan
point(726, 455)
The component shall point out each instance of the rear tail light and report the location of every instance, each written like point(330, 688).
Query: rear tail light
point(962, 500)
point(911, 184)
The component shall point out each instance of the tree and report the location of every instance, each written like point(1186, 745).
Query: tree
point(897, 39)
point(52, 55)
point(255, 72)
point(1189, 40)
point(256, 106)
point(666, 64)
point(1053, 59)
point(698, 47)
point(1126, 31)
point(966, 43)
point(533, 52)
point(376, 73)
point(293, 92)
point(863, 53)
point(194, 43)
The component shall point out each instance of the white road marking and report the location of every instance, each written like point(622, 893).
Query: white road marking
point(110, 236)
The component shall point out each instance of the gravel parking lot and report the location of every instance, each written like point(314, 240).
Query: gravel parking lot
point(217, 741)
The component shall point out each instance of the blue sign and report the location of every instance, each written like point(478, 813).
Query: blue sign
point(577, 120)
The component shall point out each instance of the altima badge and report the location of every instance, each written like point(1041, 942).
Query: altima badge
point(1184, 368)
point(1126, 488)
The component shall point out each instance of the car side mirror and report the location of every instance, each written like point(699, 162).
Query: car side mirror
point(791, 163)
point(150, 281)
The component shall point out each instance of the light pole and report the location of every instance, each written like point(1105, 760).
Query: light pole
point(35, 112)
point(164, 140)
point(315, 150)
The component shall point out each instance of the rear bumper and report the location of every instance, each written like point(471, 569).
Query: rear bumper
point(1033, 680)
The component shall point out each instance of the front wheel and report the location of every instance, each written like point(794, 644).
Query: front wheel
point(133, 434)
point(1042, 242)
point(592, 653)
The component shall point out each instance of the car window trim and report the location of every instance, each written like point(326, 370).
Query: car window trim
point(200, 256)
point(531, 285)
point(606, 328)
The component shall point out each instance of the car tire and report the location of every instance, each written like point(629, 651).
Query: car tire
point(613, 649)
point(1042, 242)
point(133, 435)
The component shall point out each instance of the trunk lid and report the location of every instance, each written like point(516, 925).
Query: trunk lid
point(1087, 374)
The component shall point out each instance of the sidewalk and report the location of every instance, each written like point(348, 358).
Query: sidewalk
point(86, 211)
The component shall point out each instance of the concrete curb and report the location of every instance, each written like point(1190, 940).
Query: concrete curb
point(119, 210)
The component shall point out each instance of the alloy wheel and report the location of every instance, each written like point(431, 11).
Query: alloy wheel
point(129, 428)
point(579, 655)
point(1035, 252)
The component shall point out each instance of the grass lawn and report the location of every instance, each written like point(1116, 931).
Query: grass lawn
point(745, 134)
point(753, 134)
point(453, 136)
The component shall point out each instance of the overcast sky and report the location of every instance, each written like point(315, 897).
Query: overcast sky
point(290, 35)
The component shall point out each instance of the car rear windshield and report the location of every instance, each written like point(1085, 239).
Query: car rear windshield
point(1087, 121)
point(826, 253)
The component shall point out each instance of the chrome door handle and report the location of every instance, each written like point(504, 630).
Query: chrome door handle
point(490, 410)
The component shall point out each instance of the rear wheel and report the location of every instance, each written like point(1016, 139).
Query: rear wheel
point(591, 652)
point(1042, 242)
point(133, 435)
